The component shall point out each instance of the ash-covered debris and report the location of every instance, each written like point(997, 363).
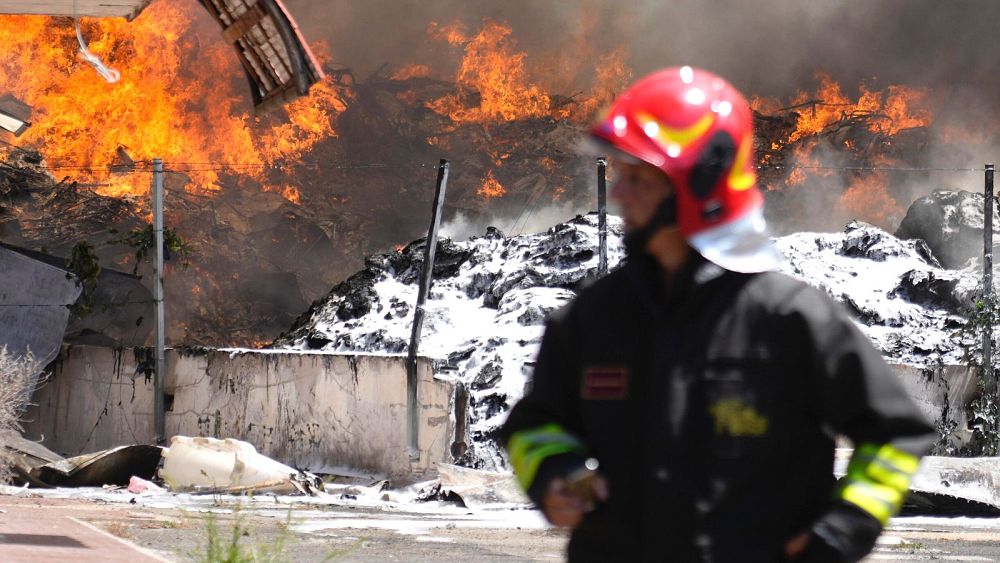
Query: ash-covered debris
point(951, 222)
point(941, 289)
point(408, 263)
point(862, 240)
point(906, 303)
point(487, 310)
point(21, 172)
point(484, 316)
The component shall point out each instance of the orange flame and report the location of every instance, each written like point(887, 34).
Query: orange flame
point(868, 199)
point(310, 120)
point(493, 69)
point(494, 83)
point(182, 97)
point(830, 118)
point(611, 76)
point(806, 165)
point(453, 33)
point(895, 109)
point(491, 188)
point(291, 193)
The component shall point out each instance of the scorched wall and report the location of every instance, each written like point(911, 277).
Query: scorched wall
point(319, 412)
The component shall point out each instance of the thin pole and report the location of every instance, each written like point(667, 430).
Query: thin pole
point(988, 287)
point(602, 216)
point(426, 276)
point(158, 406)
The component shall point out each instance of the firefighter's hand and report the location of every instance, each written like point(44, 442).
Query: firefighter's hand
point(797, 545)
point(565, 506)
point(807, 548)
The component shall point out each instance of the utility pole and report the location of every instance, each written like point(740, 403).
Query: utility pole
point(426, 276)
point(602, 216)
point(159, 413)
point(990, 381)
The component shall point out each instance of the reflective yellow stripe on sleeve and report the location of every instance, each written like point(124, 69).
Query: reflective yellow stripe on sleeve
point(878, 477)
point(529, 448)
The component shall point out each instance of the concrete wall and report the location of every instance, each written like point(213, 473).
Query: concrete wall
point(320, 412)
point(314, 411)
point(943, 394)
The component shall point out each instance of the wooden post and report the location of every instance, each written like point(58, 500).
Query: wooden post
point(426, 277)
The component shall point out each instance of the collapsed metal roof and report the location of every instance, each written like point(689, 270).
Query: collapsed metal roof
point(279, 65)
point(277, 61)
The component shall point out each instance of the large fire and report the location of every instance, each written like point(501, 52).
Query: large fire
point(493, 69)
point(499, 113)
point(891, 111)
point(845, 141)
point(493, 82)
point(180, 98)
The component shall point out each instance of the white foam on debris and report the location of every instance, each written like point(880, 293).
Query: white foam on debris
point(485, 319)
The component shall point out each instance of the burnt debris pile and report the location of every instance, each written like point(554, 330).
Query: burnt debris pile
point(492, 294)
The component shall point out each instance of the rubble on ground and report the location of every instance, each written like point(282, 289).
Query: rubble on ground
point(212, 466)
point(908, 305)
point(492, 294)
point(951, 223)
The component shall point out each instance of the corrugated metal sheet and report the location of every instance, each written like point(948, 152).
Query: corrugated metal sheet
point(33, 306)
point(91, 8)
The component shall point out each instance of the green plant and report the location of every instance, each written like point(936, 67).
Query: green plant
point(239, 545)
point(83, 266)
point(982, 411)
point(911, 546)
point(143, 240)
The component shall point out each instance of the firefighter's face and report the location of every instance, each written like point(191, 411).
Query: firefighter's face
point(637, 191)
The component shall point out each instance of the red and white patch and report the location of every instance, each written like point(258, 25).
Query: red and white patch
point(605, 383)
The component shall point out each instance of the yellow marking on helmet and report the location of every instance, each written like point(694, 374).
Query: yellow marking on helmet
point(741, 177)
point(680, 136)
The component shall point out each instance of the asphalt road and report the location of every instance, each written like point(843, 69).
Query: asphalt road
point(939, 539)
point(308, 532)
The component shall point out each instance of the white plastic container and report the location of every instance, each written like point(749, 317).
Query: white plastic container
point(210, 462)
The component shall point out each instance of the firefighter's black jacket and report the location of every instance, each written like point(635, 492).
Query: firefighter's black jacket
point(712, 404)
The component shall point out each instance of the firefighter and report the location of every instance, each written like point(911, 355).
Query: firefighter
point(685, 407)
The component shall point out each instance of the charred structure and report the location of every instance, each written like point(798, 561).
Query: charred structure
point(276, 210)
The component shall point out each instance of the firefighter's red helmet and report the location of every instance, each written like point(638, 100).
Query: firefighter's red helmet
point(698, 129)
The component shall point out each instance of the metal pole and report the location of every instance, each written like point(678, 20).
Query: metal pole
point(427, 275)
point(988, 287)
point(158, 406)
point(602, 216)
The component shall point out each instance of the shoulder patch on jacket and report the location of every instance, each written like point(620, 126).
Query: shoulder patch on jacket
point(605, 383)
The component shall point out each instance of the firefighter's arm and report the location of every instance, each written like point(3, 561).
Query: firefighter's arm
point(542, 430)
point(861, 397)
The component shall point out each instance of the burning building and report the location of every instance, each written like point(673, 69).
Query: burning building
point(273, 209)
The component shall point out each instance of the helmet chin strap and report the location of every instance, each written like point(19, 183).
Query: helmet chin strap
point(664, 216)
